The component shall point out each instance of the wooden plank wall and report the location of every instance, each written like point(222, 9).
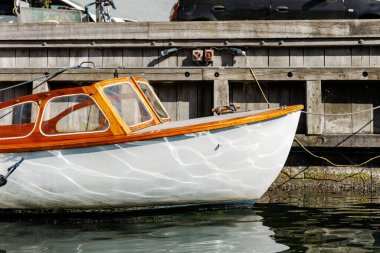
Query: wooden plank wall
point(148, 57)
point(248, 96)
point(185, 100)
point(336, 97)
point(305, 59)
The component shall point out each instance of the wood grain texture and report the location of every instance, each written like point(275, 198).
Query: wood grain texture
point(314, 123)
point(362, 100)
point(337, 101)
point(341, 140)
point(338, 57)
point(7, 58)
point(263, 29)
point(112, 57)
point(78, 55)
point(39, 57)
point(187, 101)
point(279, 57)
point(221, 93)
point(133, 58)
point(22, 58)
point(199, 73)
point(314, 57)
point(58, 58)
point(360, 56)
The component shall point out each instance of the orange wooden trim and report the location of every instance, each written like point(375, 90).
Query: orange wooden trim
point(143, 125)
point(16, 130)
point(107, 110)
point(129, 129)
point(88, 140)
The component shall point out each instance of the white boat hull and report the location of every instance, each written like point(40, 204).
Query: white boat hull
point(232, 164)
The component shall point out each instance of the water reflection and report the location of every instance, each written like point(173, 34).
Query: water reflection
point(217, 231)
point(297, 223)
point(325, 223)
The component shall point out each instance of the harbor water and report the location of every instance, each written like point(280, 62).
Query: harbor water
point(280, 222)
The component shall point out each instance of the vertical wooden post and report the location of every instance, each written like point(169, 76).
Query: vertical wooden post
point(221, 93)
point(314, 104)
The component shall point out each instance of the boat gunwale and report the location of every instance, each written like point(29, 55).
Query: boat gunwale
point(90, 140)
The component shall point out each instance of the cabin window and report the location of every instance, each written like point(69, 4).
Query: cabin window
point(73, 114)
point(18, 120)
point(128, 104)
point(153, 100)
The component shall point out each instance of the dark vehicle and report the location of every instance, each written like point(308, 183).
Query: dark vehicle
point(187, 10)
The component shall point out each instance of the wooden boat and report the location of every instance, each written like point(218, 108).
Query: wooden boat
point(113, 145)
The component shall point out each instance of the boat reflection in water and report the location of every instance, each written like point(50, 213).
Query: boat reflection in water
point(209, 231)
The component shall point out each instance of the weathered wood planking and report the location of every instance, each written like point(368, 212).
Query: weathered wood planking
point(261, 29)
point(14, 92)
point(337, 100)
point(7, 58)
point(314, 106)
point(362, 99)
point(221, 93)
point(185, 100)
point(350, 97)
point(376, 113)
point(150, 57)
point(200, 73)
point(248, 96)
point(341, 140)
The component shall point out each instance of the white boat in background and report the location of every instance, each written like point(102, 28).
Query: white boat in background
point(113, 145)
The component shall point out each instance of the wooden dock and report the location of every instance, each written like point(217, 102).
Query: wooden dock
point(330, 66)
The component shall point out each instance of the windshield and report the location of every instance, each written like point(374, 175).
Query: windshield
point(153, 100)
point(128, 104)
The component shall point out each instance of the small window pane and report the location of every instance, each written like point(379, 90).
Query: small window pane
point(128, 104)
point(18, 120)
point(153, 100)
point(73, 114)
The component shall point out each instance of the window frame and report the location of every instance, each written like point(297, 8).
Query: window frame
point(142, 99)
point(35, 123)
point(158, 100)
point(75, 133)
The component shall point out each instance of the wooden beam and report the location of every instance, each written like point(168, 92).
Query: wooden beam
point(262, 29)
point(339, 140)
point(292, 74)
point(199, 73)
point(190, 43)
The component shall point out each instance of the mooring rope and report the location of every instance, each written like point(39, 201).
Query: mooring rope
point(49, 75)
point(319, 114)
point(257, 81)
point(332, 163)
